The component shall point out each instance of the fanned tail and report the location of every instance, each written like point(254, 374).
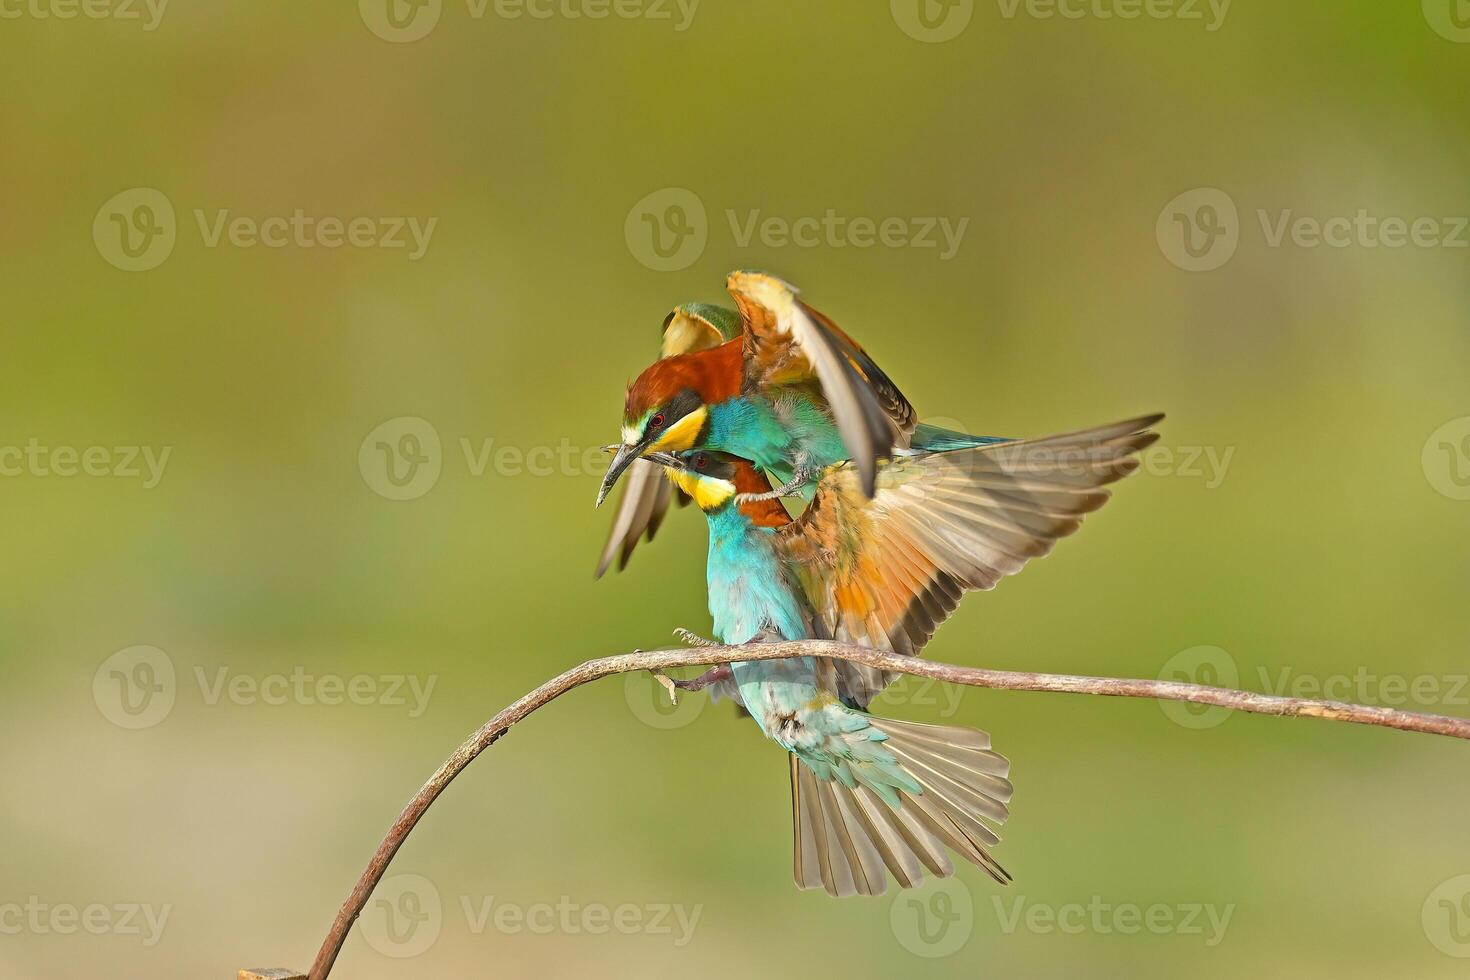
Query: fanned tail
point(845, 836)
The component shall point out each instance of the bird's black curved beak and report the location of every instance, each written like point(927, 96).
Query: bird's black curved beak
point(623, 457)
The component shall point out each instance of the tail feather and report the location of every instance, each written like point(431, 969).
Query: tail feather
point(892, 841)
point(863, 860)
point(845, 836)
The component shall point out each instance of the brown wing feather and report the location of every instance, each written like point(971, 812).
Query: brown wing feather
point(787, 342)
point(887, 572)
point(640, 511)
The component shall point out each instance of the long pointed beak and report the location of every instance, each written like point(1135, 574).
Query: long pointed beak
point(622, 459)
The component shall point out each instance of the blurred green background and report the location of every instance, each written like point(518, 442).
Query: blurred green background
point(1332, 544)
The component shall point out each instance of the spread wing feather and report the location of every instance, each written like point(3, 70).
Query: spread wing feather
point(886, 572)
point(788, 342)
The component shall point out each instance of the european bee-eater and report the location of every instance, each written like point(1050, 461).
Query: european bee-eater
point(777, 383)
point(885, 571)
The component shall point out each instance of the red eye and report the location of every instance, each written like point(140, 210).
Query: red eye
point(700, 462)
point(657, 421)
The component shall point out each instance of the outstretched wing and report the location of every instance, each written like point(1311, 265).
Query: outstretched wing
point(646, 494)
point(788, 342)
point(886, 572)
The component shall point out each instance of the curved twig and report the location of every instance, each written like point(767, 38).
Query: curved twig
point(1006, 680)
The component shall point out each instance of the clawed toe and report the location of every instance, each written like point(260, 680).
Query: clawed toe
point(694, 639)
point(790, 488)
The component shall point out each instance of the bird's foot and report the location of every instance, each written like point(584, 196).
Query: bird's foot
point(790, 488)
point(694, 639)
point(674, 684)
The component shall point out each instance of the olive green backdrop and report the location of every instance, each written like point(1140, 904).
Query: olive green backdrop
point(217, 672)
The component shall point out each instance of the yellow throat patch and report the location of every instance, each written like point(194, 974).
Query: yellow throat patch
point(707, 491)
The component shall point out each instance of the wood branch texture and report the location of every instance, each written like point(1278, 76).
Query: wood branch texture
point(1003, 680)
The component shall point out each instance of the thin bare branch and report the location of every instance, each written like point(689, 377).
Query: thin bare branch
point(1005, 680)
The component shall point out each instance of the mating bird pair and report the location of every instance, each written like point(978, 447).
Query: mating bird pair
point(900, 520)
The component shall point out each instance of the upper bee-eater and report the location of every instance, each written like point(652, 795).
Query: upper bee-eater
point(777, 383)
point(689, 328)
point(885, 571)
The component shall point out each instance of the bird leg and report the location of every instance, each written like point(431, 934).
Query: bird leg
point(673, 684)
point(704, 680)
point(790, 488)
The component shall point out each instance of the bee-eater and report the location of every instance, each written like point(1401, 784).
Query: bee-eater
point(885, 571)
point(777, 383)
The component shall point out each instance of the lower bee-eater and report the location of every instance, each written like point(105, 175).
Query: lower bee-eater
point(870, 793)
